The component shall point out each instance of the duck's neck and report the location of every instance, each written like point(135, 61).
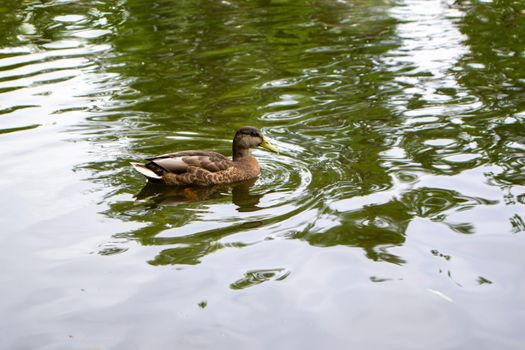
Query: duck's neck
point(240, 154)
point(246, 163)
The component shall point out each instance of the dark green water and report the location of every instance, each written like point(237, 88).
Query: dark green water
point(392, 219)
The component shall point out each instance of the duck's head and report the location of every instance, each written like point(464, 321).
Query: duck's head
point(250, 137)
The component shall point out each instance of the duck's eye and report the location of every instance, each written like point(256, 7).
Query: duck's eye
point(254, 134)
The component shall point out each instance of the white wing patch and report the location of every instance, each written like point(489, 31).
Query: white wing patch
point(145, 171)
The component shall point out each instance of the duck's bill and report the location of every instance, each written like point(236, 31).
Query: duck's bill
point(269, 146)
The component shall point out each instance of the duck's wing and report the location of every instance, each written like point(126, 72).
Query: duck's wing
point(148, 173)
point(179, 162)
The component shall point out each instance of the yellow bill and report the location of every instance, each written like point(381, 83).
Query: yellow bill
point(268, 146)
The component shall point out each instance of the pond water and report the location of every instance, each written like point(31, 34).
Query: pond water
point(393, 218)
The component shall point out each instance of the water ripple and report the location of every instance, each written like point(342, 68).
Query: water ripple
point(400, 126)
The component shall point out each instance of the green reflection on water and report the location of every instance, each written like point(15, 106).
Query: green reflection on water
point(324, 79)
point(318, 79)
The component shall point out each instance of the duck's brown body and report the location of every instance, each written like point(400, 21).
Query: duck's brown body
point(204, 168)
point(203, 172)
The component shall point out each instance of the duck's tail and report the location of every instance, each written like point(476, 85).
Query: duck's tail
point(148, 173)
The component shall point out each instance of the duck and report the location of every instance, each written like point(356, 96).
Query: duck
point(207, 168)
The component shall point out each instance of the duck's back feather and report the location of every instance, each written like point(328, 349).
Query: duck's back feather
point(178, 163)
point(191, 154)
point(200, 168)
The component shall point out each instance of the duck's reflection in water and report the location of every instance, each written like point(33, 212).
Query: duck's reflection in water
point(162, 195)
point(179, 229)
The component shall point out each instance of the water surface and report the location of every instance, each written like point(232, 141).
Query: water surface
point(392, 218)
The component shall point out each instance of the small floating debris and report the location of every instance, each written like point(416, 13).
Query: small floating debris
point(441, 295)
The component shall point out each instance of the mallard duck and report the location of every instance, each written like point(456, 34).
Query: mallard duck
point(204, 168)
